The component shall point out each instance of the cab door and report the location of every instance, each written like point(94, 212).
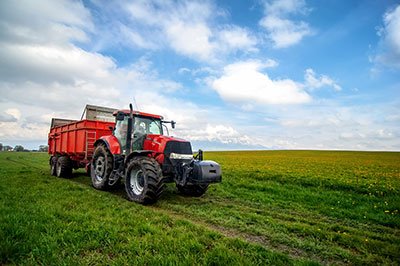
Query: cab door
point(139, 133)
point(121, 131)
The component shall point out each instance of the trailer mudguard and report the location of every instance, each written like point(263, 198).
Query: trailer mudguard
point(111, 142)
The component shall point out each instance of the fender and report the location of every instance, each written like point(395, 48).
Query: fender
point(111, 142)
point(137, 153)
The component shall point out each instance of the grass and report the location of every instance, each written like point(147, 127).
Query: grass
point(273, 207)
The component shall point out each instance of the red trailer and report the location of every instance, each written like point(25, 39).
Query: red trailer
point(77, 139)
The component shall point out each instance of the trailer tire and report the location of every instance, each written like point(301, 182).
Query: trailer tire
point(64, 167)
point(192, 190)
point(144, 182)
point(102, 165)
point(53, 165)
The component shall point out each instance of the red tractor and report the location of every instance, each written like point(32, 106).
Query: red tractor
point(133, 149)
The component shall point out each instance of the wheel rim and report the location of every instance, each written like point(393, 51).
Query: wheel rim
point(58, 170)
point(137, 181)
point(52, 168)
point(99, 168)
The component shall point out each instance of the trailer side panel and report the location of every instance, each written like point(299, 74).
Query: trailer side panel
point(76, 139)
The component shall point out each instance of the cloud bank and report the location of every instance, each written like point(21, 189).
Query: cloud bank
point(187, 61)
point(282, 30)
point(389, 33)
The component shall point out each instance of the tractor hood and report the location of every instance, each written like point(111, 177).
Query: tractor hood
point(167, 145)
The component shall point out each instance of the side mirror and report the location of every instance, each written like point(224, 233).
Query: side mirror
point(172, 122)
point(120, 116)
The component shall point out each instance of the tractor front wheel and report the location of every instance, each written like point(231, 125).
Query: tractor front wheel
point(144, 181)
point(192, 190)
point(102, 165)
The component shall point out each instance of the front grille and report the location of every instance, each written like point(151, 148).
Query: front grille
point(178, 147)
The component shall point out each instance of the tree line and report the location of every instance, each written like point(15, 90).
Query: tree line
point(20, 148)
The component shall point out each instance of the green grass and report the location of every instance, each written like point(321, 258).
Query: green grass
point(273, 207)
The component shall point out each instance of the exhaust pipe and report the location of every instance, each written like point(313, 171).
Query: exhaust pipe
point(129, 131)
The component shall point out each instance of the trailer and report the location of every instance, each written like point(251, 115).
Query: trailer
point(132, 149)
point(76, 141)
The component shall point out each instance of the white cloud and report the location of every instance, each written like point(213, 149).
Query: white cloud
point(284, 32)
point(281, 30)
point(286, 6)
point(244, 82)
point(44, 21)
point(325, 125)
point(46, 63)
point(221, 133)
point(389, 54)
point(312, 81)
point(200, 71)
point(135, 39)
point(14, 112)
point(186, 27)
point(234, 37)
point(192, 40)
point(184, 70)
point(332, 126)
point(10, 115)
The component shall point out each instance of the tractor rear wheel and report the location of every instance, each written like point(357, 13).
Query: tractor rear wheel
point(144, 180)
point(192, 190)
point(64, 167)
point(102, 165)
point(53, 166)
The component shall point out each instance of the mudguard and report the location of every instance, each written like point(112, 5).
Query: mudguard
point(111, 142)
point(137, 153)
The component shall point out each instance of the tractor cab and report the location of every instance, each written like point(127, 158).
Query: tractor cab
point(131, 129)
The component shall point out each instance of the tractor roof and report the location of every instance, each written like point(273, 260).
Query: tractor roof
point(137, 113)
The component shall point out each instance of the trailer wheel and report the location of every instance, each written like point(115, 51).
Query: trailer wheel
point(64, 167)
point(102, 165)
point(192, 190)
point(144, 181)
point(53, 165)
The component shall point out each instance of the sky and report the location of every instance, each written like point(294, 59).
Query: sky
point(249, 74)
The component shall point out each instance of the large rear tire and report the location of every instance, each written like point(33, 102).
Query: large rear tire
point(144, 180)
point(102, 165)
point(193, 190)
point(64, 167)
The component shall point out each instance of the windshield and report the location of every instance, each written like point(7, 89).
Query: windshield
point(145, 125)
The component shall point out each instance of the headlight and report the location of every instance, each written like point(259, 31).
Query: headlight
point(180, 156)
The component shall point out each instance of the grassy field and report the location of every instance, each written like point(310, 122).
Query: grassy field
point(273, 207)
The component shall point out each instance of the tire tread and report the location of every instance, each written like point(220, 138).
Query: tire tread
point(155, 181)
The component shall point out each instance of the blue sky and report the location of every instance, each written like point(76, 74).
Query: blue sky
point(233, 74)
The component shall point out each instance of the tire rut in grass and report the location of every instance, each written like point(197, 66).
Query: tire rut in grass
point(263, 241)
